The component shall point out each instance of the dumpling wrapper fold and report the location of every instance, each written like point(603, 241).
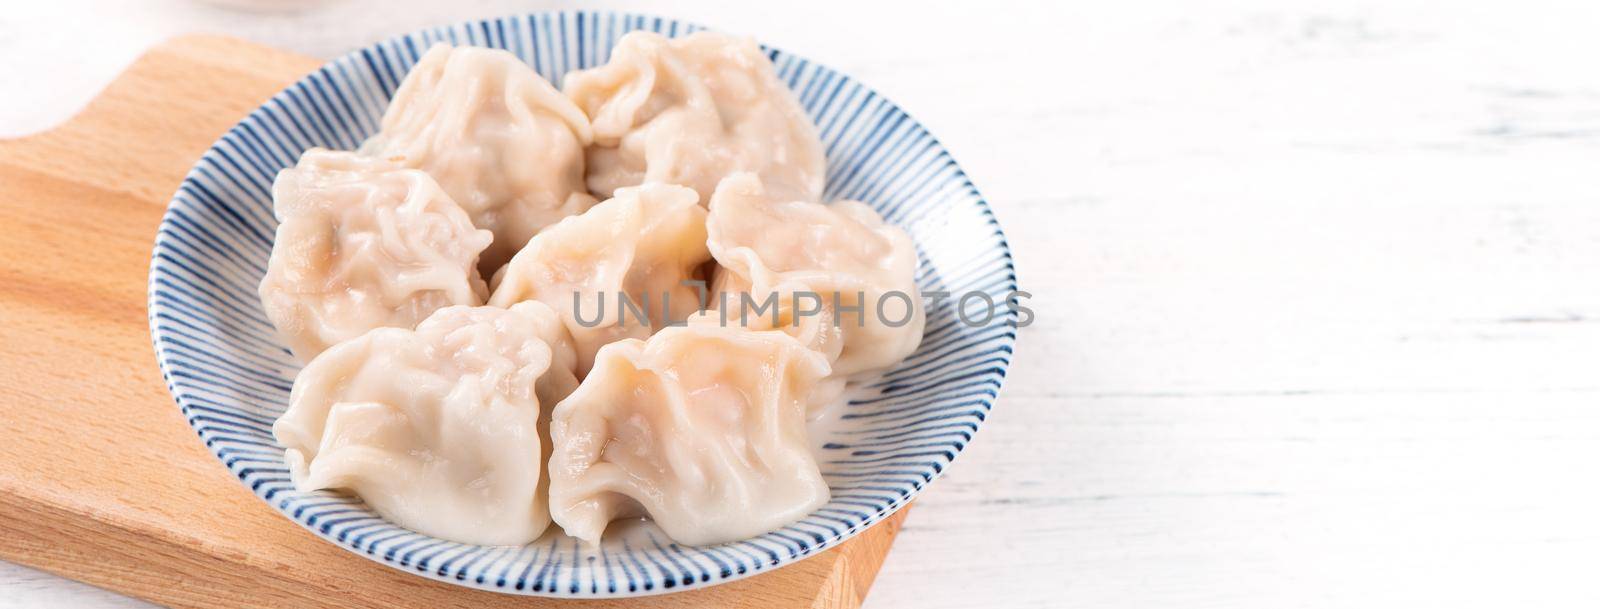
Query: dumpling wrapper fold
point(438, 429)
point(701, 427)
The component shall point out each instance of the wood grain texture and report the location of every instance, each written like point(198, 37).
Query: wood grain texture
point(104, 482)
point(1318, 294)
point(1319, 317)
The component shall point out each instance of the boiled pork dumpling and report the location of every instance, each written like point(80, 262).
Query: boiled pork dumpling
point(692, 110)
point(841, 252)
point(795, 309)
point(500, 139)
point(702, 428)
point(438, 429)
point(644, 243)
point(361, 244)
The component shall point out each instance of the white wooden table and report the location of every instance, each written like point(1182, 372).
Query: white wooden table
point(1318, 286)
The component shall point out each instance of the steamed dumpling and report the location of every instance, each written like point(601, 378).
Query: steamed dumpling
point(361, 244)
point(438, 429)
point(691, 111)
point(501, 140)
point(644, 243)
point(842, 253)
point(702, 428)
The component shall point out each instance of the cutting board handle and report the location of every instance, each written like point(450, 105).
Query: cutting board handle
point(145, 130)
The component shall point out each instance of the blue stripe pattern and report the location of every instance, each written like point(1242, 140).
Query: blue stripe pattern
point(231, 377)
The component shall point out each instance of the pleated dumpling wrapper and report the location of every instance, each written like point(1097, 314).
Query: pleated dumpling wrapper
point(500, 139)
point(616, 271)
point(362, 244)
point(702, 427)
point(438, 429)
point(840, 261)
point(691, 111)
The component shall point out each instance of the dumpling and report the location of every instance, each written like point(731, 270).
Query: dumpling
point(361, 244)
point(501, 140)
point(691, 111)
point(838, 254)
point(789, 307)
point(644, 243)
point(438, 429)
point(702, 428)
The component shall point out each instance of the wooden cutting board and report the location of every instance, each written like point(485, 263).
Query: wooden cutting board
point(102, 480)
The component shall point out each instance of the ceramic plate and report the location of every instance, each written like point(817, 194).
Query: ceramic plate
point(231, 376)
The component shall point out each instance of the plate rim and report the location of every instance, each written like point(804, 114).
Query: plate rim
point(155, 306)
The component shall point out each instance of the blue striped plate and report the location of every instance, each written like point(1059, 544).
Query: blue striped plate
point(231, 377)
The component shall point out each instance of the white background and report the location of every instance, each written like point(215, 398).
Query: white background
point(1318, 284)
